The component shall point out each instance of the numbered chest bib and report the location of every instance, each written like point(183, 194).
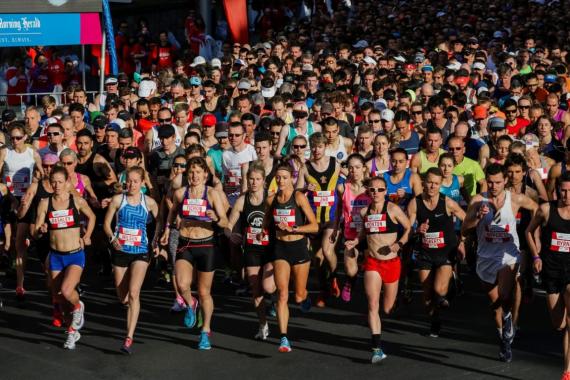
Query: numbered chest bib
point(433, 240)
point(560, 242)
point(375, 223)
point(130, 236)
point(194, 207)
point(251, 236)
point(59, 219)
point(286, 216)
point(323, 198)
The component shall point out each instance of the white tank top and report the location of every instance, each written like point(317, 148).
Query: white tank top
point(340, 153)
point(497, 231)
point(18, 170)
point(156, 141)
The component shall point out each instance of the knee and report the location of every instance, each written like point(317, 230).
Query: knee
point(134, 296)
point(182, 284)
point(67, 291)
point(300, 297)
point(373, 305)
point(203, 293)
point(283, 295)
point(387, 309)
point(268, 287)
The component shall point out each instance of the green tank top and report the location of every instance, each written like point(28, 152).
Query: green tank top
point(292, 134)
point(425, 164)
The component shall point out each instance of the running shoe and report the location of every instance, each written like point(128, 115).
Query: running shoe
point(72, 337)
point(284, 346)
point(190, 316)
point(306, 305)
point(335, 290)
point(435, 329)
point(346, 293)
point(127, 347)
point(377, 355)
point(508, 328)
point(321, 300)
point(20, 294)
point(77, 319)
point(204, 343)
point(272, 311)
point(57, 317)
point(178, 305)
point(565, 376)
point(263, 332)
point(506, 354)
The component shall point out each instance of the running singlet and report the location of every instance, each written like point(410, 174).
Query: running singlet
point(379, 223)
point(18, 169)
point(425, 163)
point(131, 226)
point(497, 231)
point(351, 207)
point(555, 236)
point(453, 191)
point(323, 198)
point(292, 134)
point(440, 237)
point(289, 212)
point(62, 219)
point(392, 189)
point(340, 153)
point(252, 221)
point(270, 182)
point(195, 209)
point(374, 171)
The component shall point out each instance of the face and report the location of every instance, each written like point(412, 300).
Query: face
point(433, 142)
point(377, 190)
point(112, 138)
point(437, 114)
point(143, 111)
point(432, 184)
point(356, 169)
point(111, 114)
point(244, 106)
point(515, 174)
point(399, 162)
point(317, 151)
point(47, 168)
point(552, 105)
point(564, 193)
point(79, 97)
point(263, 149)
point(446, 166)
point(457, 149)
point(283, 179)
point(68, 163)
point(300, 116)
point(32, 118)
point(17, 137)
point(167, 142)
point(249, 126)
point(331, 132)
point(58, 183)
point(179, 166)
point(381, 145)
point(154, 108)
point(495, 184)
point(125, 142)
point(503, 148)
point(236, 136)
point(164, 117)
point(84, 146)
point(524, 108)
point(209, 93)
point(255, 181)
point(364, 140)
point(55, 136)
point(197, 176)
point(275, 132)
point(511, 113)
point(544, 128)
point(298, 147)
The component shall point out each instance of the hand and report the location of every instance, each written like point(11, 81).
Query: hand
point(105, 202)
point(283, 226)
point(160, 252)
point(483, 210)
point(350, 244)
point(385, 250)
point(212, 215)
point(537, 265)
point(423, 228)
point(116, 245)
point(44, 228)
point(461, 251)
point(165, 237)
point(259, 236)
point(311, 187)
point(7, 245)
point(86, 240)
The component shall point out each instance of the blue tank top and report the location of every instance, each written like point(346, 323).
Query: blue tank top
point(131, 226)
point(392, 188)
point(411, 145)
point(452, 191)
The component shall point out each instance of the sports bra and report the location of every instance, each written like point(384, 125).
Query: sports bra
point(62, 219)
point(379, 223)
point(195, 209)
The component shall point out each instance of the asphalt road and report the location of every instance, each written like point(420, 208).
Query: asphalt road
point(329, 343)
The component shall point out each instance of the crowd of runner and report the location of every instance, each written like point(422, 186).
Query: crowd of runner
point(397, 153)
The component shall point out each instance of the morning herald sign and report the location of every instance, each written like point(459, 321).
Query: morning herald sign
point(49, 29)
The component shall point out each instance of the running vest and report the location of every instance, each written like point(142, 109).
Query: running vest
point(440, 237)
point(131, 226)
point(288, 212)
point(392, 188)
point(79, 186)
point(374, 171)
point(497, 231)
point(270, 183)
point(62, 219)
point(453, 191)
point(195, 209)
point(252, 222)
point(555, 236)
point(340, 153)
point(18, 170)
point(425, 163)
point(292, 134)
point(379, 223)
point(351, 207)
point(324, 198)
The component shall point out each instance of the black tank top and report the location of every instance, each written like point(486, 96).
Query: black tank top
point(62, 219)
point(269, 176)
point(440, 236)
point(252, 223)
point(379, 223)
point(41, 193)
point(288, 212)
point(523, 218)
point(87, 167)
point(555, 236)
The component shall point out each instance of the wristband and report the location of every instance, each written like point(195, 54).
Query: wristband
point(534, 258)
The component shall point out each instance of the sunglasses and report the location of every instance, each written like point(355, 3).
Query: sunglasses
point(454, 149)
point(299, 146)
point(417, 112)
point(179, 166)
point(230, 135)
point(68, 163)
point(51, 134)
point(17, 138)
point(511, 111)
point(300, 114)
point(275, 133)
point(524, 107)
point(230, 89)
point(164, 120)
point(376, 189)
point(47, 166)
point(375, 121)
point(100, 127)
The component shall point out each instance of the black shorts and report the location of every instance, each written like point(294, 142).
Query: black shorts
point(429, 261)
point(256, 257)
point(40, 248)
point(294, 252)
point(555, 272)
point(124, 260)
point(200, 253)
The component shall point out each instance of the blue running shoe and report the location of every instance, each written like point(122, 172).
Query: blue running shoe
point(204, 343)
point(306, 305)
point(272, 312)
point(190, 316)
point(508, 328)
point(285, 346)
point(506, 353)
point(377, 355)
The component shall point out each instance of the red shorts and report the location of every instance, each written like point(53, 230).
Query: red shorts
point(389, 270)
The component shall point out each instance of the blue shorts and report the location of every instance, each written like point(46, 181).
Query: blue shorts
point(58, 261)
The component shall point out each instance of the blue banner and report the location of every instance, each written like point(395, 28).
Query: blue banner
point(40, 29)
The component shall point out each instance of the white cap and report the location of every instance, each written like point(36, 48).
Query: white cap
point(120, 122)
point(199, 60)
point(307, 67)
point(146, 88)
point(454, 66)
point(479, 66)
point(369, 60)
point(216, 63)
point(244, 84)
point(387, 114)
point(399, 58)
point(361, 44)
point(268, 92)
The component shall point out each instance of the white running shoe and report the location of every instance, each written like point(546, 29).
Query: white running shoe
point(263, 332)
point(72, 337)
point(77, 320)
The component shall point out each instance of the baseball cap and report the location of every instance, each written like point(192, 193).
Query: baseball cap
point(113, 127)
point(390, 94)
point(462, 80)
point(165, 131)
point(208, 120)
point(222, 129)
point(550, 78)
point(369, 60)
point(195, 81)
point(361, 44)
point(50, 158)
point(99, 121)
point(531, 140)
point(480, 112)
point(8, 115)
point(240, 62)
point(216, 63)
point(131, 152)
point(478, 66)
point(244, 85)
point(387, 114)
point(146, 88)
point(111, 80)
point(199, 60)
point(307, 67)
point(496, 123)
point(268, 88)
point(427, 68)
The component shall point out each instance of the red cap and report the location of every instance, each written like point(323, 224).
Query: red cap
point(410, 66)
point(462, 81)
point(480, 112)
point(209, 120)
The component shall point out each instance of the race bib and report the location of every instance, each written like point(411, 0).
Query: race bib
point(497, 233)
point(284, 215)
point(194, 207)
point(560, 242)
point(130, 236)
point(355, 217)
point(323, 198)
point(18, 184)
point(375, 223)
point(233, 178)
point(518, 218)
point(61, 219)
point(251, 236)
point(433, 240)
